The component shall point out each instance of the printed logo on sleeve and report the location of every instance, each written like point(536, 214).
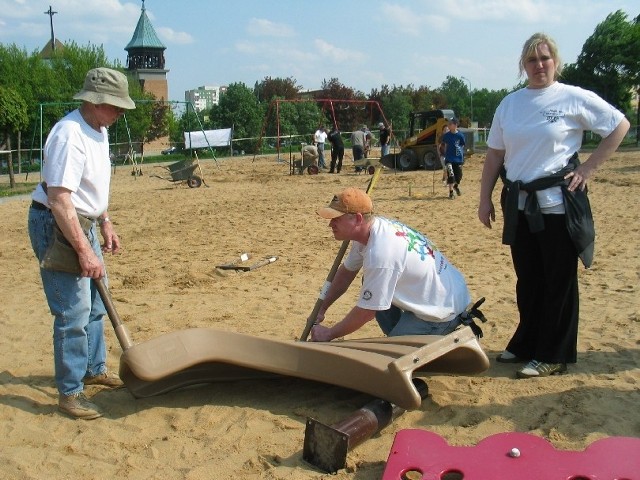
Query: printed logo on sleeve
point(366, 295)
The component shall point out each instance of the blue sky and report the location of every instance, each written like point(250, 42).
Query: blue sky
point(365, 44)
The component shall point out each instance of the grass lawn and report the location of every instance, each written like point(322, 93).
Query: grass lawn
point(22, 187)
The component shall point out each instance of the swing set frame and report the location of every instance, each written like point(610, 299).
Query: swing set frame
point(327, 104)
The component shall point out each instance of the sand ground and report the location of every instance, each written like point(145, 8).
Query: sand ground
point(166, 280)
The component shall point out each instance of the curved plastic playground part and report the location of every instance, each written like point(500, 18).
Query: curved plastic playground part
point(382, 367)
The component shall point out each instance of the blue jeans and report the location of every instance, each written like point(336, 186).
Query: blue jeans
point(395, 322)
point(384, 150)
point(321, 162)
point(78, 329)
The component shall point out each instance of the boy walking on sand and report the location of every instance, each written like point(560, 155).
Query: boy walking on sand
point(453, 145)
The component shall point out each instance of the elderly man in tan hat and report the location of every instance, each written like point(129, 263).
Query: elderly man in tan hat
point(66, 206)
point(408, 285)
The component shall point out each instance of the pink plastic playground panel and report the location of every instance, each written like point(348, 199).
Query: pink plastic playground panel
point(418, 454)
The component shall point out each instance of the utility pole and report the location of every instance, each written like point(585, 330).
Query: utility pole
point(470, 96)
point(51, 13)
point(637, 115)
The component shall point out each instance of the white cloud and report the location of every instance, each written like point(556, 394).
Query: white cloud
point(341, 55)
point(247, 47)
point(174, 37)
point(20, 9)
point(275, 53)
point(95, 10)
point(260, 27)
point(524, 11)
point(411, 22)
point(286, 55)
point(518, 11)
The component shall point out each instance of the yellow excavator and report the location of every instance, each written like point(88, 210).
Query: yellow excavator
point(420, 148)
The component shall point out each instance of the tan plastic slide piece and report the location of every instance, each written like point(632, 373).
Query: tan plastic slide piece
point(382, 367)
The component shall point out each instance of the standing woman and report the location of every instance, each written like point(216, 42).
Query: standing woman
point(533, 143)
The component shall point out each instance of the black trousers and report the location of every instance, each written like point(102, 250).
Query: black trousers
point(546, 266)
point(455, 175)
point(337, 154)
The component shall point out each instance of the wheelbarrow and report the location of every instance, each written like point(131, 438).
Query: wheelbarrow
point(308, 161)
point(184, 172)
point(366, 165)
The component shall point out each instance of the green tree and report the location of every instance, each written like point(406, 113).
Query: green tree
point(348, 115)
point(239, 108)
point(189, 121)
point(148, 121)
point(13, 119)
point(423, 98)
point(298, 117)
point(457, 98)
point(59, 79)
point(48, 86)
point(271, 88)
point(608, 63)
point(28, 75)
point(173, 124)
point(485, 103)
point(283, 119)
point(396, 105)
point(307, 115)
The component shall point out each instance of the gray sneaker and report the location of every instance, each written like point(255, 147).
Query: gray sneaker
point(77, 406)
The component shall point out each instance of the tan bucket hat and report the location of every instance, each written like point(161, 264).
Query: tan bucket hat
point(104, 85)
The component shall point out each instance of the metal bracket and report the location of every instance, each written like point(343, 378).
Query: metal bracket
point(326, 446)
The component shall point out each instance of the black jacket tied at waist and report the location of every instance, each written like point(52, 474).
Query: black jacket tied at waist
point(576, 204)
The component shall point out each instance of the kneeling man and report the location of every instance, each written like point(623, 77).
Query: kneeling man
point(408, 285)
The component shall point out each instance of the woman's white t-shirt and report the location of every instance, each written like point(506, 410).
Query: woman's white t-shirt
point(540, 129)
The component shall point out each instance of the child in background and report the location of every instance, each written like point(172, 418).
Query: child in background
point(453, 143)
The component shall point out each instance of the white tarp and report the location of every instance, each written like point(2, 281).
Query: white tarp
point(207, 138)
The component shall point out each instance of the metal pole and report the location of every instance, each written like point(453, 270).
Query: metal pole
point(470, 96)
point(41, 146)
point(326, 446)
point(637, 116)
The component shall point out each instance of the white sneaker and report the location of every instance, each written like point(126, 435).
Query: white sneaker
point(508, 357)
point(540, 369)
